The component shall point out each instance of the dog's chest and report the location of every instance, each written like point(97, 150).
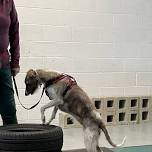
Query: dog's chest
point(64, 107)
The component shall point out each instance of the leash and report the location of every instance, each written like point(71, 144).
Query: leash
point(16, 89)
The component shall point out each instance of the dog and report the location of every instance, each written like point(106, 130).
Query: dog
point(66, 95)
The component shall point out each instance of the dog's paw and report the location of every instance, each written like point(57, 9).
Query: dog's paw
point(48, 123)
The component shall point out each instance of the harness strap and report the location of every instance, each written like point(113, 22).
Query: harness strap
point(71, 80)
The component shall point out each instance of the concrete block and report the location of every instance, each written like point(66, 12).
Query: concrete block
point(122, 103)
point(133, 117)
point(133, 103)
point(109, 118)
point(145, 103)
point(110, 104)
point(144, 116)
point(150, 115)
point(99, 103)
point(67, 121)
point(122, 117)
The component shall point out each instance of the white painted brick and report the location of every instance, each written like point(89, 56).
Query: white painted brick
point(104, 6)
point(146, 21)
point(31, 33)
point(72, 50)
point(22, 114)
point(85, 34)
point(86, 65)
point(92, 91)
point(130, 35)
point(24, 47)
point(111, 65)
point(55, 4)
point(25, 3)
point(87, 5)
point(29, 15)
point(117, 79)
point(57, 33)
point(126, 21)
point(145, 50)
point(106, 79)
point(106, 35)
point(136, 91)
point(20, 80)
point(111, 92)
point(90, 19)
point(147, 10)
point(132, 7)
point(35, 114)
point(144, 79)
point(138, 65)
point(64, 65)
point(128, 50)
point(39, 16)
point(28, 63)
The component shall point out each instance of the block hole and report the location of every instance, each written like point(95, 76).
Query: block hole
point(110, 103)
point(110, 118)
point(97, 104)
point(122, 104)
point(134, 103)
point(122, 116)
point(145, 115)
point(133, 117)
point(145, 103)
point(70, 121)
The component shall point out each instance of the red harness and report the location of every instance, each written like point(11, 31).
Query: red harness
point(69, 79)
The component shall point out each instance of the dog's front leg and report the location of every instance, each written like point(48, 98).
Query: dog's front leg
point(54, 102)
point(53, 115)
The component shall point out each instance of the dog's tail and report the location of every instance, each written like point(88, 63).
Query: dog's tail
point(102, 126)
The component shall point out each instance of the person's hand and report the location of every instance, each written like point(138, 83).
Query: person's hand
point(15, 71)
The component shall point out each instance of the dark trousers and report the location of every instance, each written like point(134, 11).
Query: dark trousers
point(7, 101)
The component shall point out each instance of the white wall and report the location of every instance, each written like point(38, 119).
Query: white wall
point(105, 44)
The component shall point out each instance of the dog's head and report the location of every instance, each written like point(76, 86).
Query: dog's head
point(31, 82)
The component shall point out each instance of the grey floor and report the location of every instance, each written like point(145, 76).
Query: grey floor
point(136, 135)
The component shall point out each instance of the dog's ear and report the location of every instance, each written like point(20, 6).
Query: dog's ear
point(31, 73)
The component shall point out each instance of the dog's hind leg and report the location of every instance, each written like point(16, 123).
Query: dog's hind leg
point(91, 139)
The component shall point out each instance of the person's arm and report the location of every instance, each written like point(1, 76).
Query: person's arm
point(14, 40)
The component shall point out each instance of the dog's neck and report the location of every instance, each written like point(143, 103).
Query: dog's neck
point(44, 76)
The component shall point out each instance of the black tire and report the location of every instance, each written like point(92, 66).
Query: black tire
point(31, 138)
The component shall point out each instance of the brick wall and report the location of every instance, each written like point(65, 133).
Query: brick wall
point(105, 44)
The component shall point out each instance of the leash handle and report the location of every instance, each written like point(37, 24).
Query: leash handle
point(16, 89)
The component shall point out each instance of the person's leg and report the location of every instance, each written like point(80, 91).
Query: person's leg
point(7, 101)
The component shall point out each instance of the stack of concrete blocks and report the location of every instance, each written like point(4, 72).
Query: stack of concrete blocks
point(145, 109)
point(133, 110)
point(116, 111)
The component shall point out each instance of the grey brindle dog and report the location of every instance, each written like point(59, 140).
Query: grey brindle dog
point(74, 101)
